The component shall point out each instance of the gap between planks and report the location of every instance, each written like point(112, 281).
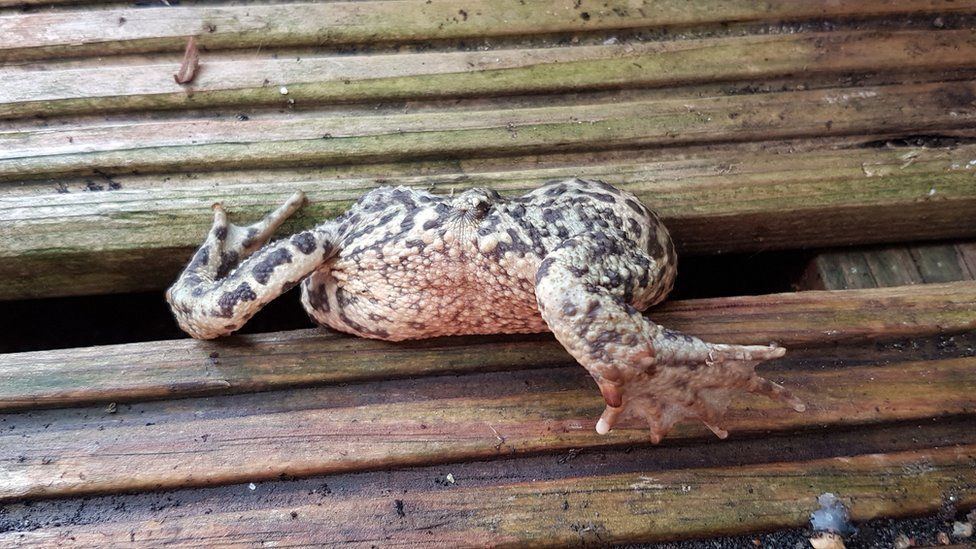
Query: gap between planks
point(180, 368)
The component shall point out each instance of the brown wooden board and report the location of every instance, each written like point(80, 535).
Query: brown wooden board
point(886, 266)
point(589, 496)
point(750, 125)
point(371, 425)
point(174, 369)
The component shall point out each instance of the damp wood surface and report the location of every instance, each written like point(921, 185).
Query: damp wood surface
point(180, 368)
point(107, 30)
point(468, 509)
point(242, 81)
point(93, 239)
point(398, 497)
point(395, 423)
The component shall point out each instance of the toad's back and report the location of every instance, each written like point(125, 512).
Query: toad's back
point(414, 265)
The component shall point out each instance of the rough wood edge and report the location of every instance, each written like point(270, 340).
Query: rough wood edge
point(182, 368)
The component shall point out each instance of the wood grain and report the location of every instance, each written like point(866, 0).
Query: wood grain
point(714, 199)
point(310, 139)
point(243, 81)
point(383, 424)
point(413, 483)
point(98, 31)
point(636, 506)
point(176, 369)
point(886, 266)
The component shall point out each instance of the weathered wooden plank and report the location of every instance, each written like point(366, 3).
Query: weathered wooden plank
point(309, 139)
point(412, 484)
point(651, 505)
point(894, 268)
point(967, 257)
point(263, 362)
point(713, 199)
point(887, 266)
point(256, 80)
point(105, 31)
point(242, 438)
point(940, 263)
point(851, 271)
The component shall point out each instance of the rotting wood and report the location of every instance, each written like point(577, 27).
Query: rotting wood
point(181, 368)
point(716, 199)
point(105, 31)
point(598, 510)
point(303, 432)
point(309, 139)
point(253, 81)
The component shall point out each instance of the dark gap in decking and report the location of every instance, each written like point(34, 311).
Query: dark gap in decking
point(56, 323)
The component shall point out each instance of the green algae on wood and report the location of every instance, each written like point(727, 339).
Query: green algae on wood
point(314, 80)
point(390, 423)
point(176, 369)
point(57, 34)
point(713, 200)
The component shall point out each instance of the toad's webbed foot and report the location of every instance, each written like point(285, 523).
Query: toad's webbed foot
point(643, 370)
point(235, 271)
point(689, 379)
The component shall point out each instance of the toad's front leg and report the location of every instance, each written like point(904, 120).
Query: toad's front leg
point(643, 370)
point(235, 272)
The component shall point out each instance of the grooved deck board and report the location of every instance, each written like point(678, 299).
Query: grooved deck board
point(244, 81)
point(113, 30)
point(310, 139)
point(382, 424)
point(651, 505)
point(713, 200)
point(174, 369)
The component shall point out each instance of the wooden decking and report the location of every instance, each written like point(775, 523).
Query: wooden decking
point(750, 126)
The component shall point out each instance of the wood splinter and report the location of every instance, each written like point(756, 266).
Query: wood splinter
point(190, 65)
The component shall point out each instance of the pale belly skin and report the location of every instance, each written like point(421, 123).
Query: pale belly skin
point(575, 257)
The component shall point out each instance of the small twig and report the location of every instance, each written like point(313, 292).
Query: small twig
point(501, 439)
point(191, 63)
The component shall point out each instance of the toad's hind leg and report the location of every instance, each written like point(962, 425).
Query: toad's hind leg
point(643, 370)
point(235, 272)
